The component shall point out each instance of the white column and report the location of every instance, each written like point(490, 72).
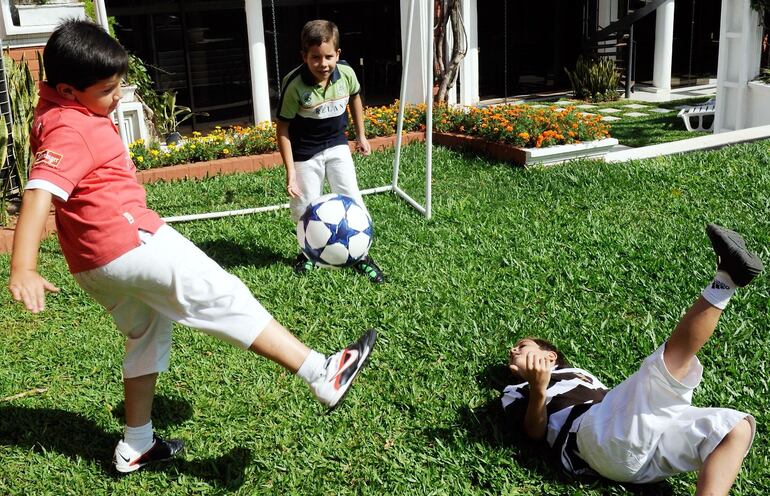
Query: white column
point(260, 93)
point(740, 40)
point(418, 80)
point(101, 14)
point(469, 68)
point(664, 46)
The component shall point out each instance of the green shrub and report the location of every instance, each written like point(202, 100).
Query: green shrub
point(594, 80)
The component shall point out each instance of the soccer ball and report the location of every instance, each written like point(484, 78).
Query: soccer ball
point(334, 231)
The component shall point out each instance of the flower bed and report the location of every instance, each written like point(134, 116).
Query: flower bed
point(516, 125)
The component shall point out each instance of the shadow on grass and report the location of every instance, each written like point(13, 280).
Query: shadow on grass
point(75, 436)
point(229, 254)
point(489, 425)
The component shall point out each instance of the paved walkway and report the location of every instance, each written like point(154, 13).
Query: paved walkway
point(621, 109)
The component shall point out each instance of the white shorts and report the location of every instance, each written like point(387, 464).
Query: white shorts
point(336, 165)
point(646, 428)
point(168, 279)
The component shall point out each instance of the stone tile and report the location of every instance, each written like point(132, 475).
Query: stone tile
point(565, 102)
point(587, 114)
point(559, 109)
point(635, 106)
point(539, 106)
point(609, 110)
point(586, 106)
point(610, 118)
point(660, 110)
point(635, 114)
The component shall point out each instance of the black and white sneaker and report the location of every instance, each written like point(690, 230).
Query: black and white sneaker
point(732, 255)
point(342, 368)
point(128, 460)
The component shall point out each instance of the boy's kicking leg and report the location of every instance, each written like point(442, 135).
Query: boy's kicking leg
point(328, 377)
point(736, 267)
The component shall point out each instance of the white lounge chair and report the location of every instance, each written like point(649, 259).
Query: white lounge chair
point(696, 114)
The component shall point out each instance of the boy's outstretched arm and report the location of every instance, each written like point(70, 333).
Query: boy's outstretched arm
point(25, 284)
point(284, 146)
point(357, 111)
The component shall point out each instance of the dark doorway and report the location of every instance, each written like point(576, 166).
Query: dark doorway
point(199, 49)
point(696, 43)
point(370, 40)
point(525, 46)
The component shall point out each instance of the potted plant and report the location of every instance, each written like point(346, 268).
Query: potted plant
point(46, 12)
point(171, 116)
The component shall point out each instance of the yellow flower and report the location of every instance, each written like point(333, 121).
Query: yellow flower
point(140, 158)
point(226, 151)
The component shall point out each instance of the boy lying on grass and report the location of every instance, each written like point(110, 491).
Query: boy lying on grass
point(644, 429)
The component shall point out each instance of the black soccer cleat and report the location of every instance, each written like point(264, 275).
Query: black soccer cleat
point(302, 264)
point(732, 255)
point(127, 460)
point(371, 270)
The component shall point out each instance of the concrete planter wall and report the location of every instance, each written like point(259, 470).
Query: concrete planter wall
point(49, 14)
point(525, 156)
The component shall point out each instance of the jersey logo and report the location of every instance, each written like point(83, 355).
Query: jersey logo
point(306, 98)
point(47, 157)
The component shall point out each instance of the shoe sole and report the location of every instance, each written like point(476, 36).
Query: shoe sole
point(729, 244)
point(358, 372)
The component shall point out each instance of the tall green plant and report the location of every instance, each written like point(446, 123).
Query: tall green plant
point(172, 115)
point(595, 80)
point(6, 179)
point(22, 90)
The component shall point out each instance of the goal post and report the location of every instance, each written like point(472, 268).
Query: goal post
point(426, 43)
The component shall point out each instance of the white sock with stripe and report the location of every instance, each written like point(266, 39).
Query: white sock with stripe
point(720, 290)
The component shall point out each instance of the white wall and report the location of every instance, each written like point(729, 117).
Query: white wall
point(740, 40)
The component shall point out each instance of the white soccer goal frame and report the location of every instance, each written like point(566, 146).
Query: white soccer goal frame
point(427, 46)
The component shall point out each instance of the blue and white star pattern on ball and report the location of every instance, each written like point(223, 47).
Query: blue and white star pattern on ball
point(334, 231)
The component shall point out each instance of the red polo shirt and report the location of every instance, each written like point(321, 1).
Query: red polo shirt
point(81, 160)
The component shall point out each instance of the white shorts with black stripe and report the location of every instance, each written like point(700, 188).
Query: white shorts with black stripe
point(168, 279)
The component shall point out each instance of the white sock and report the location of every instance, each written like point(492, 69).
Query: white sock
point(138, 438)
point(719, 291)
point(313, 367)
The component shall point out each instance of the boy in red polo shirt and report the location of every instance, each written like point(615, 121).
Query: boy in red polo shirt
point(145, 273)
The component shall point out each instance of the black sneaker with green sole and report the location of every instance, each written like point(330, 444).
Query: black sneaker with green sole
point(370, 269)
point(302, 264)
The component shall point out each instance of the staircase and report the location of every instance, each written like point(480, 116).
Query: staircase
point(616, 40)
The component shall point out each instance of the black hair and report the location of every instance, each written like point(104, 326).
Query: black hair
point(80, 53)
point(561, 361)
point(319, 31)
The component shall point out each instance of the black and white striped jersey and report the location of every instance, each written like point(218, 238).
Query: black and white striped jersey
point(570, 392)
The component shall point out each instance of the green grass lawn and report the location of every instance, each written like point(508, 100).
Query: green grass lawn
point(600, 258)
